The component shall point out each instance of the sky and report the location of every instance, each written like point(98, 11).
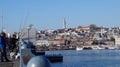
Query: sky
point(49, 14)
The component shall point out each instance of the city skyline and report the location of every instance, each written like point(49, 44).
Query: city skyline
point(45, 14)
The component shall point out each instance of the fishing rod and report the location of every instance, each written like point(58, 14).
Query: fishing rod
point(1, 23)
point(21, 39)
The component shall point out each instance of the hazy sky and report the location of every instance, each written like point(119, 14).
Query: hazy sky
point(49, 14)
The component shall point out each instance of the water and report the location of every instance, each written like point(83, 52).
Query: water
point(88, 58)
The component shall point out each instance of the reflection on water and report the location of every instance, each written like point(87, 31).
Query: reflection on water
point(88, 58)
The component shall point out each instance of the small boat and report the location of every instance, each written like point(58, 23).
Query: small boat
point(97, 48)
point(87, 48)
point(111, 47)
point(79, 48)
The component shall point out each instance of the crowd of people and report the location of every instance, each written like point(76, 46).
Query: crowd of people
point(8, 43)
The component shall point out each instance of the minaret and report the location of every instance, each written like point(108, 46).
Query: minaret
point(64, 24)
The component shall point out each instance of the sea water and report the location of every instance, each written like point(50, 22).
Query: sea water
point(88, 58)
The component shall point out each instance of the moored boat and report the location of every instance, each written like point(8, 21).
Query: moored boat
point(79, 48)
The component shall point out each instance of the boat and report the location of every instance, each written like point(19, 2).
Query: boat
point(90, 48)
point(87, 48)
point(111, 47)
point(79, 48)
point(97, 47)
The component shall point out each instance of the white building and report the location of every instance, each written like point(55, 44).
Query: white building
point(117, 41)
point(42, 42)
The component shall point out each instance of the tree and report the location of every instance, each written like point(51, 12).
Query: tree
point(112, 39)
point(93, 26)
point(95, 42)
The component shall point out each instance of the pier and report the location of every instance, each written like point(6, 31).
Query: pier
point(9, 64)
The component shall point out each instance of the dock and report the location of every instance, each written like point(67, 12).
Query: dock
point(9, 64)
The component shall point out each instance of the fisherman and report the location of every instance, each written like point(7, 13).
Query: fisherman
point(14, 42)
point(3, 47)
point(14, 45)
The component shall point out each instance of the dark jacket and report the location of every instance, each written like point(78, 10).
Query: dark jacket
point(2, 42)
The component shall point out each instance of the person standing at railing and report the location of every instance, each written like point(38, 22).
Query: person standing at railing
point(3, 46)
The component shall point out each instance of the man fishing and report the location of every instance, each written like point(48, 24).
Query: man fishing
point(3, 56)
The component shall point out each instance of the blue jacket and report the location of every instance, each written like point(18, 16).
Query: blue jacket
point(2, 44)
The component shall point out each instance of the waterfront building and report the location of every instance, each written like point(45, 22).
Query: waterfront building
point(117, 41)
point(59, 42)
point(29, 35)
point(83, 29)
point(42, 43)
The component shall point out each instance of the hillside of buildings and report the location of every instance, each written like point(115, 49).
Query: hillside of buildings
point(68, 38)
